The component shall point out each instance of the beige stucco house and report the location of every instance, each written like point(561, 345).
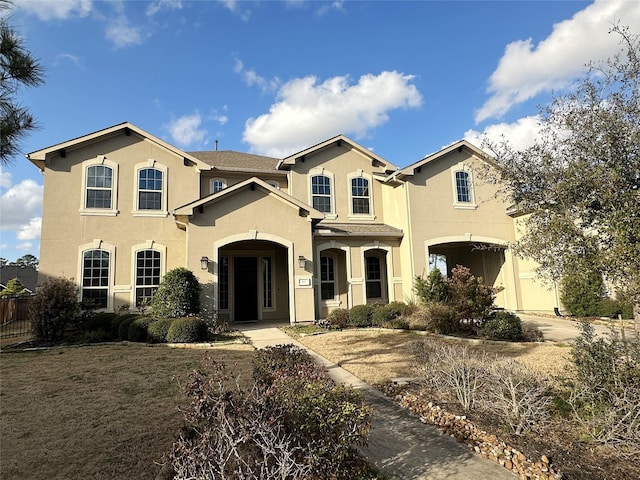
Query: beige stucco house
point(329, 227)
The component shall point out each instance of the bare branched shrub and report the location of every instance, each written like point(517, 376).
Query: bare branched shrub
point(452, 370)
point(515, 396)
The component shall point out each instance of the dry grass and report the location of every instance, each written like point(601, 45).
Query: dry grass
point(101, 412)
point(377, 355)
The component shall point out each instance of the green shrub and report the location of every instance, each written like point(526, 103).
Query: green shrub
point(53, 308)
point(96, 327)
point(115, 325)
point(442, 318)
point(177, 296)
point(338, 318)
point(14, 288)
point(187, 330)
point(386, 313)
point(611, 308)
point(397, 323)
point(502, 326)
point(581, 292)
point(123, 327)
point(158, 330)
point(138, 329)
point(606, 395)
point(431, 289)
point(531, 333)
point(360, 316)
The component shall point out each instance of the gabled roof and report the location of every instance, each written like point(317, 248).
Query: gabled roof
point(434, 157)
point(229, 160)
point(303, 208)
point(291, 160)
point(39, 157)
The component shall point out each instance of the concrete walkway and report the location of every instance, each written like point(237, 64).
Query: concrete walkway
point(400, 445)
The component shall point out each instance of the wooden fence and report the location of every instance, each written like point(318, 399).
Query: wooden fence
point(14, 316)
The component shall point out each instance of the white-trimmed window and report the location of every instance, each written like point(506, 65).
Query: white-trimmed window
point(151, 189)
point(148, 273)
point(99, 187)
point(327, 277)
point(373, 271)
point(360, 196)
point(217, 184)
point(96, 264)
point(322, 195)
point(463, 195)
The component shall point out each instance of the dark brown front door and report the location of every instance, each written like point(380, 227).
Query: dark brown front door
point(245, 288)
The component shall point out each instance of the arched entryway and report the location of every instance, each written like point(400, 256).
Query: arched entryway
point(252, 278)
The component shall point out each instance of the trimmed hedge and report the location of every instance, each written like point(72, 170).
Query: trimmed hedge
point(187, 330)
point(138, 329)
point(384, 314)
point(158, 330)
point(361, 316)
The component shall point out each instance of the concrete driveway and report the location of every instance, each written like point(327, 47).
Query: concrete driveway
point(561, 329)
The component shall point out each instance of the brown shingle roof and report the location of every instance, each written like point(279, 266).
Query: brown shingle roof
point(230, 160)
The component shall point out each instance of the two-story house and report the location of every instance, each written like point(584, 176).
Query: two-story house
point(332, 226)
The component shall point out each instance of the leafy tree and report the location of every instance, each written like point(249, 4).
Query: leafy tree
point(14, 287)
point(580, 182)
point(581, 292)
point(18, 68)
point(27, 261)
point(53, 308)
point(431, 289)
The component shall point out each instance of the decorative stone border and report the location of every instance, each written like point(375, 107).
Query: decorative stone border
point(487, 445)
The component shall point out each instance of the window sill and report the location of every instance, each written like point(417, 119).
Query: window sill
point(465, 206)
point(330, 216)
point(150, 213)
point(331, 303)
point(98, 212)
point(353, 216)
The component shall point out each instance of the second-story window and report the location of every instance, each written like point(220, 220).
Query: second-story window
point(218, 184)
point(321, 193)
point(149, 189)
point(463, 187)
point(360, 196)
point(99, 187)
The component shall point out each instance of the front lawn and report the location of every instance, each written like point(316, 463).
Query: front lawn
point(100, 412)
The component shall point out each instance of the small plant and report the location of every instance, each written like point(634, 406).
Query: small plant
point(361, 316)
point(469, 296)
point(442, 318)
point(187, 330)
point(158, 330)
point(338, 318)
point(451, 370)
point(515, 396)
point(502, 325)
point(53, 308)
point(434, 288)
point(14, 288)
point(387, 313)
point(177, 296)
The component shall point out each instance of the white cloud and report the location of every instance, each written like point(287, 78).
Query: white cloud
point(20, 204)
point(251, 78)
point(233, 6)
point(308, 111)
point(520, 134)
point(31, 230)
point(186, 130)
point(160, 5)
point(121, 33)
point(5, 179)
point(55, 9)
point(24, 246)
point(526, 70)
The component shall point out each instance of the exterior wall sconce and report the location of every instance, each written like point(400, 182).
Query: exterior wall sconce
point(204, 263)
point(302, 262)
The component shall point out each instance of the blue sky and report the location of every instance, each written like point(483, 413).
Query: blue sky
point(401, 78)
